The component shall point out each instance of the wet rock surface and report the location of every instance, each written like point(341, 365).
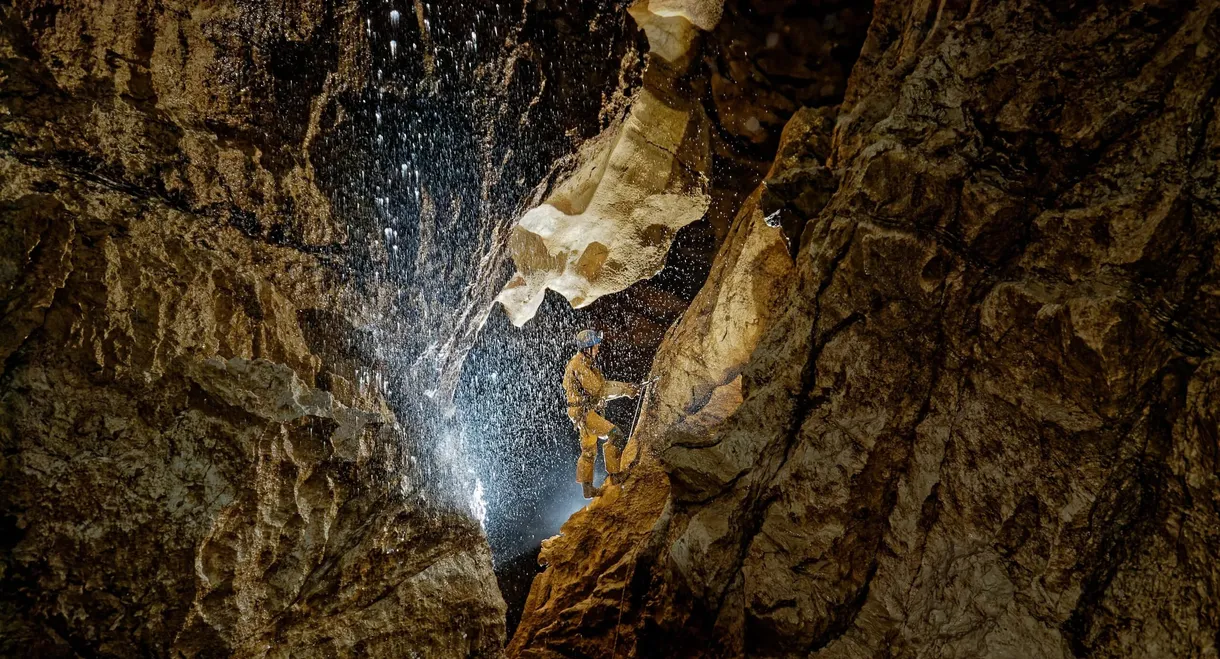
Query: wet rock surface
point(972, 411)
point(196, 457)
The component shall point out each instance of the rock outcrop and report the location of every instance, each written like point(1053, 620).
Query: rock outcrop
point(974, 414)
point(611, 221)
point(474, 102)
point(195, 455)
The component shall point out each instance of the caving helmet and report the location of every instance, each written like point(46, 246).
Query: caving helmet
point(588, 338)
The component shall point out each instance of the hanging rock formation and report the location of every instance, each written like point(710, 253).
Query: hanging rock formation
point(196, 459)
point(974, 414)
point(610, 223)
point(472, 105)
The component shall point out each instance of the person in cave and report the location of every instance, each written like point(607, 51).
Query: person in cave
point(587, 391)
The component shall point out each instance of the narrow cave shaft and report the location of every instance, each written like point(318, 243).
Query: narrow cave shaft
point(613, 328)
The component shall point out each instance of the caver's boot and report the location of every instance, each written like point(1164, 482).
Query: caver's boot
point(589, 490)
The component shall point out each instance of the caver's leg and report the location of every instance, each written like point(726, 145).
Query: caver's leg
point(593, 427)
point(613, 450)
point(588, 452)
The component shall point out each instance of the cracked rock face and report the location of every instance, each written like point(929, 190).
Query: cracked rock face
point(192, 463)
point(979, 417)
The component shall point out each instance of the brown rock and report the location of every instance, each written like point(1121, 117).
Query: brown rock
point(595, 560)
point(175, 479)
point(977, 422)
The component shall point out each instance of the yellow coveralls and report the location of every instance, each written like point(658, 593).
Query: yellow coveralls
point(587, 392)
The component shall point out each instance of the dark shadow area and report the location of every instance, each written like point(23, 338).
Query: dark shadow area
point(515, 578)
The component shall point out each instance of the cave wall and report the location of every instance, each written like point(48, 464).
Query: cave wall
point(196, 457)
point(979, 416)
point(949, 389)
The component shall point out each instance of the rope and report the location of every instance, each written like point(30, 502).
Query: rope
point(623, 597)
point(639, 404)
point(631, 573)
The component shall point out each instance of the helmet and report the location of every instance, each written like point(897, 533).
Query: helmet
point(588, 338)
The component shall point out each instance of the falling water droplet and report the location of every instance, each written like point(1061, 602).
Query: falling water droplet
point(393, 48)
point(394, 15)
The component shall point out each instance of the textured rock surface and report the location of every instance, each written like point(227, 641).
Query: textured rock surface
point(980, 419)
point(615, 541)
point(194, 460)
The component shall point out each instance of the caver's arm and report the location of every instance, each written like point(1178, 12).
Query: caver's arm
point(614, 389)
